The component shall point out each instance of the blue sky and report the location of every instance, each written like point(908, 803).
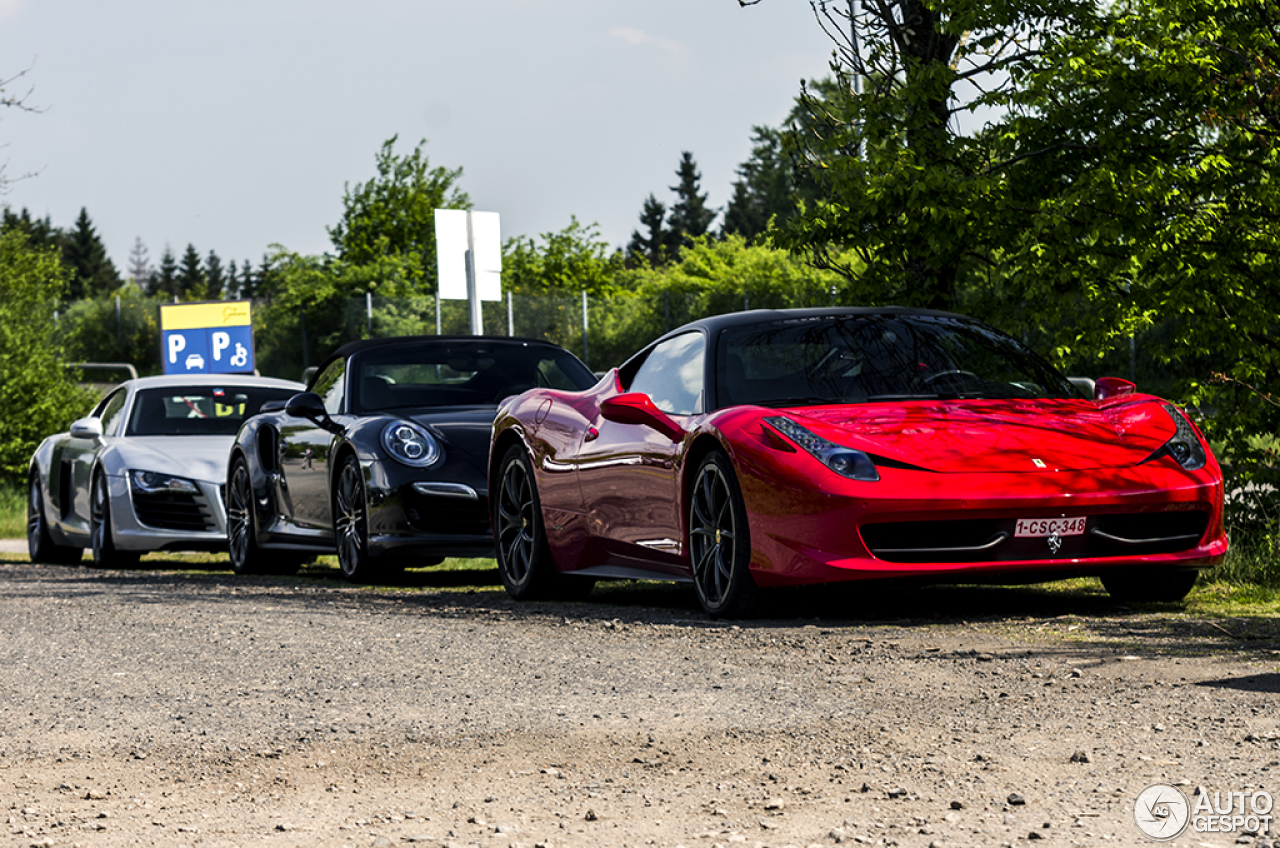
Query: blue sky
point(234, 124)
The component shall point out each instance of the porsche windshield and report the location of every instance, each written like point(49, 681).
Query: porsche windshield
point(198, 410)
point(870, 358)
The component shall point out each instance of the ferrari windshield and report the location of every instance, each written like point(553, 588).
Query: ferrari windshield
point(199, 410)
point(870, 358)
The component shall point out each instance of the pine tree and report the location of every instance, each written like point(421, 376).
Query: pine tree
point(650, 245)
point(139, 264)
point(40, 233)
point(690, 216)
point(766, 187)
point(191, 280)
point(92, 272)
point(214, 278)
point(163, 281)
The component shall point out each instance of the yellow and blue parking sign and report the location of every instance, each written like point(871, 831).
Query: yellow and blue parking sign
point(206, 338)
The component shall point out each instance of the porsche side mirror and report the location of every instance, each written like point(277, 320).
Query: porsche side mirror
point(1109, 387)
point(306, 405)
point(639, 408)
point(87, 428)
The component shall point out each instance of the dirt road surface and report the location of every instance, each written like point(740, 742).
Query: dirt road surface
point(160, 707)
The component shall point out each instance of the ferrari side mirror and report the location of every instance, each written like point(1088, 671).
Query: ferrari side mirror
point(639, 408)
point(1109, 387)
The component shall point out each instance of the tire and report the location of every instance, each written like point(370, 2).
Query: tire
point(524, 557)
point(1149, 585)
point(40, 545)
point(242, 531)
point(719, 541)
point(105, 552)
point(351, 526)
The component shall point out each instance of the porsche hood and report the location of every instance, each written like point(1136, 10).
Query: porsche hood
point(997, 435)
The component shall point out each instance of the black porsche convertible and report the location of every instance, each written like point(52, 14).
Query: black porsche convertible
point(384, 457)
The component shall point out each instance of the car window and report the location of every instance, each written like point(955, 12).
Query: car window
point(198, 410)
point(459, 373)
point(672, 374)
point(330, 387)
point(109, 412)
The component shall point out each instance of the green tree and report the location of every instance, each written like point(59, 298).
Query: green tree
point(92, 271)
point(648, 245)
point(191, 280)
point(40, 231)
point(163, 281)
point(215, 279)
point(572, 260)
point(690, 215)
point(37, 397)
point(393, 215)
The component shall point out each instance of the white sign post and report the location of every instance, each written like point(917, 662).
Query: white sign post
point(469, 259)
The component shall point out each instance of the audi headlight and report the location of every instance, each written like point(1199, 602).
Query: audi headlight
point(844, 461)
point(411, 444)
point(1185, 447)
point(154, 482)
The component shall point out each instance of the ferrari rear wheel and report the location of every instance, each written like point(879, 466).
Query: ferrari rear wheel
point(351, 526)
point(524, 556)
point(40, 545)
point(720, 541)
point(1137, 584)
point(242, 535)
point(105, 552)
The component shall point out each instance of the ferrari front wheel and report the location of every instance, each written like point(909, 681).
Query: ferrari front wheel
point(719, 542)
point(1138, 584)
point(105, 552)
point(524, 556)
point(40, 544)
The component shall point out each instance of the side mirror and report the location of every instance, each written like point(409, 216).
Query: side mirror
point(87, 428)
point(639, 408)
point(306, 405)
point(1110, 387)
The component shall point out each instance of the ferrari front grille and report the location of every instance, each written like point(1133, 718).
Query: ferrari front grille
point(173, 511)
point(993, 540)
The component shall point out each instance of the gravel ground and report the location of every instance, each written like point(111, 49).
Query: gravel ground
point(161, 707)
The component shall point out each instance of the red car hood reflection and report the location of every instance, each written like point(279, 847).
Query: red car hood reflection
point(997, 435)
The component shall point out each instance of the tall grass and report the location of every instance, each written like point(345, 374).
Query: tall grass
point(13, 511)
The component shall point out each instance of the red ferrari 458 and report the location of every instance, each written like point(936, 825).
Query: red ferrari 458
point(779, 448)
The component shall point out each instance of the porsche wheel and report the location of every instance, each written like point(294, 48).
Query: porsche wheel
point(242, 533)
point(105, 552)
point(719, 541)
point(351, 526)
point(40, 545)
point(524, 557)
point(1149, 585)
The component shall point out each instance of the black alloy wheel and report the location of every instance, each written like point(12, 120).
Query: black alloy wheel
point(40, 544)
point(105, 552)
point(242, 535)
point(351, 525)
point(720, 541)
point(524, 557)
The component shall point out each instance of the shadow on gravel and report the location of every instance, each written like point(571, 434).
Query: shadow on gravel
point(1249, 683)
point(1079, 614)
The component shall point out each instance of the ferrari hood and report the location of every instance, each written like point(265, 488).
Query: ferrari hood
point(193, 457)
point(997, 435)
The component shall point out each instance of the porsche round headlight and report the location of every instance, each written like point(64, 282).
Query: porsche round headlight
point(410, 444)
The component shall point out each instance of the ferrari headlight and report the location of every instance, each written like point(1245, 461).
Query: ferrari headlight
point(411, 444)
point(846, 462)
point(153, 482)
point(1185, 447)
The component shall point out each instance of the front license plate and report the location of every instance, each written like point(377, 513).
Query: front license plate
point(1039, 528)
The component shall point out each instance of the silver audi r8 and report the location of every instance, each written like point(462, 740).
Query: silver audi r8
point(144, 470)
